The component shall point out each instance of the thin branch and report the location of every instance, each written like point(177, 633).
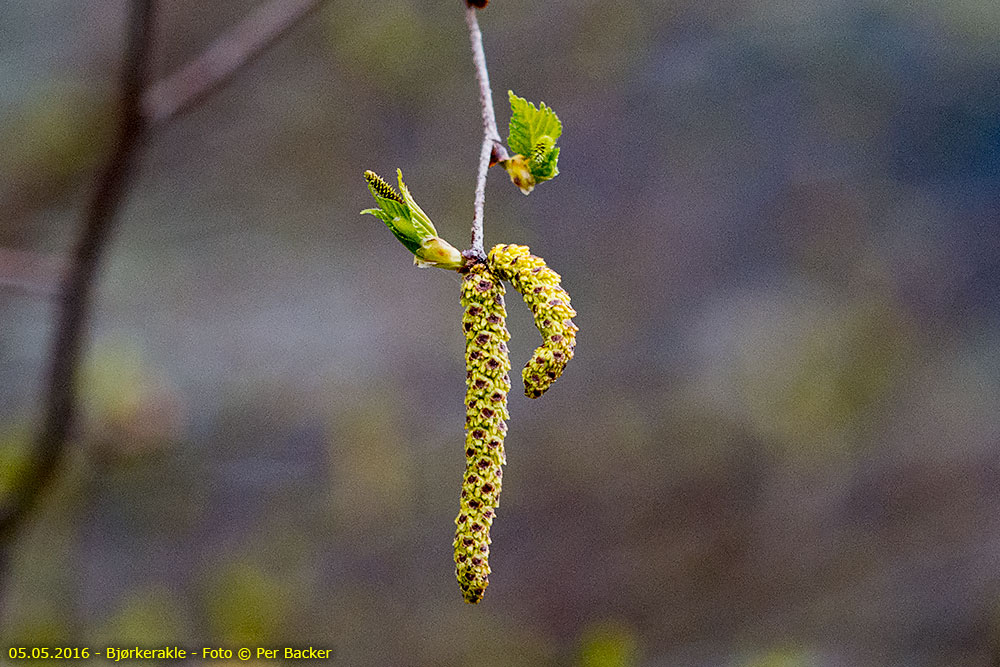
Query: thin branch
point(180, 91)
point(482, 76)
point(492, 150)
point(78, 283)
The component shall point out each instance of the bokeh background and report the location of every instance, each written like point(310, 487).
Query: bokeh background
point(777, 446)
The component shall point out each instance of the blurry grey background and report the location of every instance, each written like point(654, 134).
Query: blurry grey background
point(777, 445)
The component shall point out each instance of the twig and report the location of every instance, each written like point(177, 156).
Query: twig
point(78, 282)
point(178, 92)
point(492, 150)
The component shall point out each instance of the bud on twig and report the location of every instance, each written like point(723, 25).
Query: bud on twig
point(410, 224)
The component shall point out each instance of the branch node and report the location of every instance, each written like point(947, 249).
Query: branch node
point(499, 153)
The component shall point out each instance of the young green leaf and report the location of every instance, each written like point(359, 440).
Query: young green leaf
point(533, 135)
point(529, 124)
point(418, 218)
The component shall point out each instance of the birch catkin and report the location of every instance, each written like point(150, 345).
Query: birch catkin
point(487, 367)
point(550, 305)
point(380, 188)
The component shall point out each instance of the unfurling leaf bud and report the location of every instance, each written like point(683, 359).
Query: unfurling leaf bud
point(533, 135)
point(410, 224)
point(550, 305)
point(488, 381)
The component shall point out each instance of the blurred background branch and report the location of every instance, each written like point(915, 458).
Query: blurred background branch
point(77, 288)
point(181, 90)
point(140, 109)
point(36, 273)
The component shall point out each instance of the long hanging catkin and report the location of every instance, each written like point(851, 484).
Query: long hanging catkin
point(487, 367)
point(549, 302)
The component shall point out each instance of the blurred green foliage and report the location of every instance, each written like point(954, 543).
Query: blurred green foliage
point(781, 658)
point(371, 474)
point(147, 617)
point(812, 384)
point(132, 407)
point(391, 51)
point(60, 130)
point(608, 645)
point(247, 606)
point(15, 456)
point(53, 136)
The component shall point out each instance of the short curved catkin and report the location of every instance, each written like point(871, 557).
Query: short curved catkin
point(381, 188)
point(542, 148)
point(488, 380)
point(549, 302)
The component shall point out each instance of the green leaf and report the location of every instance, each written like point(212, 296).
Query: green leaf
point(542, 148)
point(397, 220)
point(545, 168)
point(529, 124)
point(377, 212)
point(394, 209)
point(393, 225)
point(419, 219)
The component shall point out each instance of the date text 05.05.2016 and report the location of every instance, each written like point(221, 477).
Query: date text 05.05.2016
point(166, 653)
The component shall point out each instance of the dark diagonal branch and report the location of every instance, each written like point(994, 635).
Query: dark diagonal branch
point(180, 91)
point(140, 110)
point(169, 98)
point(492, 150)
point(78, 282)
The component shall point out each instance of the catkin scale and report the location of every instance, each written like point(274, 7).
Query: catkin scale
point(488, 383)
point(550, 306)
